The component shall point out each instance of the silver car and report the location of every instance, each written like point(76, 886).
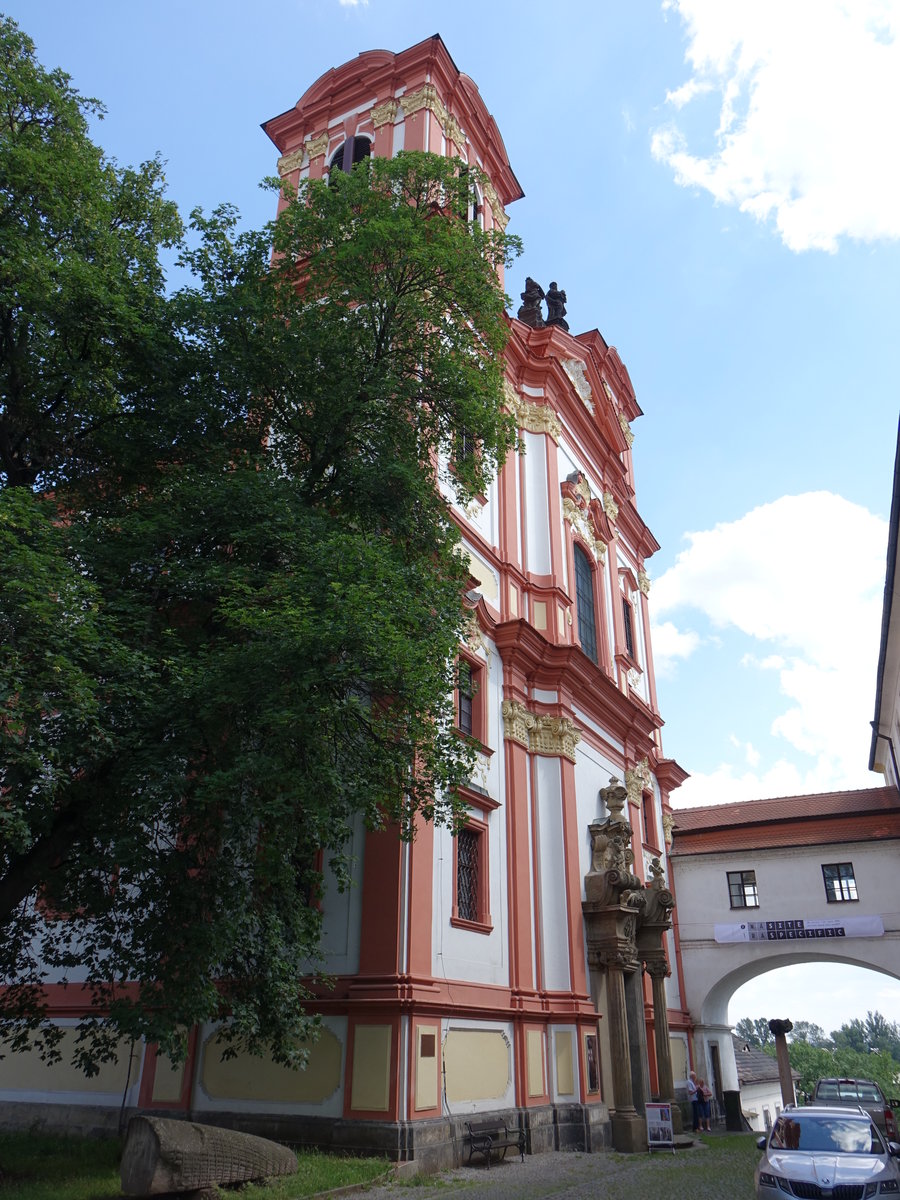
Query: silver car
point(827, 1152)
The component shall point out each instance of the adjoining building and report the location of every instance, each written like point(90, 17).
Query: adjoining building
point(760, 1085)
point(771, 883)
point(527, 966)
point(885, 749)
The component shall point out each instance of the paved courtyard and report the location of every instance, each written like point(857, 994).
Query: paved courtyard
point(719, 1169)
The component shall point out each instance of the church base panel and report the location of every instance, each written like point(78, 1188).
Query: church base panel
point(435, 1145)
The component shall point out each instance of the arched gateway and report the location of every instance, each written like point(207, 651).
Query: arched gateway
point(771, 883)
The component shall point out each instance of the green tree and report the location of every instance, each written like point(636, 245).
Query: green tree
point(874, 1033)
point(82, 315)
point(816, 1062)
point(809, 1032)
point(755, 1032)
point(229, 631)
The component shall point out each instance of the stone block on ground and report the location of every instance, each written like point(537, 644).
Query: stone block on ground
point(163, 1156)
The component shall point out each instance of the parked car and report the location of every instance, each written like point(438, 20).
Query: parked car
point(862, 1092)
point(818, 1151)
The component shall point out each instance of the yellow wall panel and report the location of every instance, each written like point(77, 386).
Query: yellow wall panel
point(534, 1061)
point(370, 1087)
point(249, 1078)
point(427, 1067)
point(565, 1064)
point(477, 1064)
point(26, 1072)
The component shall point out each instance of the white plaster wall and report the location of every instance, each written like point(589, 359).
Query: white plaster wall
point(592, 772)
point(465, 953)
point(554, 915)
point(342, 913)
point(537, 515)
point(756, 1095)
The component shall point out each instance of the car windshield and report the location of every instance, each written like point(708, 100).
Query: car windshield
point(838, 1135)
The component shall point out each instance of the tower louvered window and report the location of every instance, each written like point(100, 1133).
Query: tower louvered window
point(361, 149)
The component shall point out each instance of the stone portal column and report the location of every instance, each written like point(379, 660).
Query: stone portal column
point(629, 1133)
point(620, 1047)
point(658, 972)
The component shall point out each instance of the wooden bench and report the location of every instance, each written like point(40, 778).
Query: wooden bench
point(487, 1136)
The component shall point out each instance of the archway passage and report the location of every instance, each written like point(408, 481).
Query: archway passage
point(777, 883)
point(825, 995)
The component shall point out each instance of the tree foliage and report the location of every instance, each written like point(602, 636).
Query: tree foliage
point(816, 1062)
point(874, 1033)
point(809, 1032)
point(868, 1049)
point(231, 596)
point(755, 1032)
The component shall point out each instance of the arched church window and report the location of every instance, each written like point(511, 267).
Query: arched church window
point(584, 602)
point(353, 151)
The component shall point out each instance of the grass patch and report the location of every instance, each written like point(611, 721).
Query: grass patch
point(729, 1159)
point(41, 1167)
point(35, 1166)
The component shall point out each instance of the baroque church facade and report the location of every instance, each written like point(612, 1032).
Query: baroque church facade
point(529, 965)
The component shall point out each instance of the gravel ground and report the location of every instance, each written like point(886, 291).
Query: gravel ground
point(721, 1168)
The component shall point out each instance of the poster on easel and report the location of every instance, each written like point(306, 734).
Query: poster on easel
point(660, 1133)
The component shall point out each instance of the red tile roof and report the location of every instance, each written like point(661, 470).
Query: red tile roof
point(828, 817)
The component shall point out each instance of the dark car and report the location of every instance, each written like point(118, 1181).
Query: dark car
point(863, 1092)
point(827, 1152)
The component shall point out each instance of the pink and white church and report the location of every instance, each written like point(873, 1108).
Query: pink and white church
point(529, 966)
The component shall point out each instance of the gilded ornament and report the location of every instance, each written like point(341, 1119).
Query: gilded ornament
point(290, 162)
point(535, 418)
point(554, 736)
point(452, 130)
point(571, 511)
point(574, 368)
point(425, 97)
point(643, 581)
point(317, 145)
point(609, 506)
point(634, 677)
point(490, 194)
point(668, 822)
point(384, 113)
point(638, 780)
point(626, 428)
point(573, 514)
point(517, 721)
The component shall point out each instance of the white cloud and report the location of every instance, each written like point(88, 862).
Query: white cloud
point(670, 644)
point(353, 3)
point(803, 576)
point(809, 94)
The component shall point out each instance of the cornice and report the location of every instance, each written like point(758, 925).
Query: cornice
point(566, 668)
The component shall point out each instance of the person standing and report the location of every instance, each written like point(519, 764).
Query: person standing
point(704, 1096)
point(694, 1097)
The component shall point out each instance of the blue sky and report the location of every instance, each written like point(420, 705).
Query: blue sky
point(716, 187)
